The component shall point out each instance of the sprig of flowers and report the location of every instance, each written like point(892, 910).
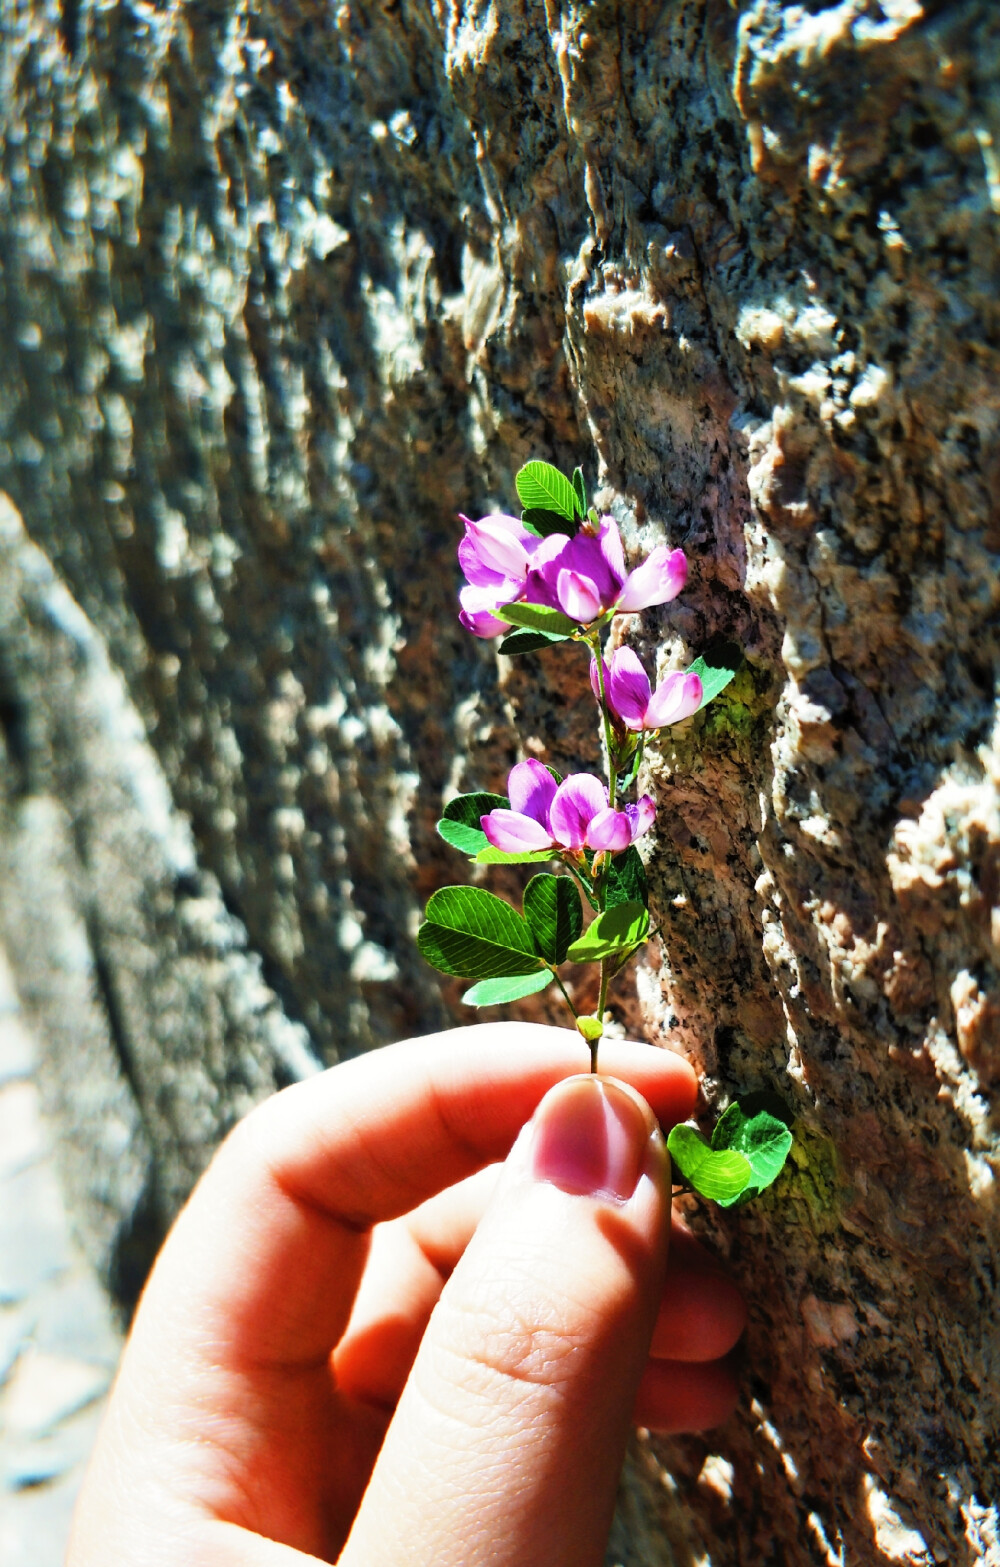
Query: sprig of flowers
point(557, 573)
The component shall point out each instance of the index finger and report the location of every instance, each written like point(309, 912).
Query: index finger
point(269, 1251)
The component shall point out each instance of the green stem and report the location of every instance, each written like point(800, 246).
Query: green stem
point(584, 885)
point(602, 1002)
point(595, 645)
point(600, 885)
point(566, 994)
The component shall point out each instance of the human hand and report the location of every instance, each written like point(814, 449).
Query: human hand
point(365, 1342)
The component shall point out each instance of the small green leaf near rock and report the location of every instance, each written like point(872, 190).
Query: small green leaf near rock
point(722, 1175)
point(715, 677)
point(757, 1126)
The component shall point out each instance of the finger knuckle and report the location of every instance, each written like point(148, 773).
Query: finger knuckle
point(516, 1337)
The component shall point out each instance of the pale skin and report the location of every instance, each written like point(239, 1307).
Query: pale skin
point(408, 1316)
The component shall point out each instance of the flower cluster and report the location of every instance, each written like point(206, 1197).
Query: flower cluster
point(583, 575)
point(573, 815)
point(632, 702)
point(558, 574)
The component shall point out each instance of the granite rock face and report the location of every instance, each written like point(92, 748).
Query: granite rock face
point(282, 290)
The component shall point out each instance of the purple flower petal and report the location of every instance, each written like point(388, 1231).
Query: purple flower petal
point(540, 587)
point(474, 599)
point(577, 800)
point(482, 624)
point(628, 688)
point(475, 572)
point(513, 525)
point(577, 596)
point(588, 553)
point(640, 816)
point(609, 830)
point(549, 549)
point(476, 606)
point(537, 591)
point(531, 789)
point(494, 556)
point(590, 583)
point(610, 541)
point(676, 697)
point(595, 684)
point(514, 833)
point(477, 602)
point(658, 580)
point(497, 547)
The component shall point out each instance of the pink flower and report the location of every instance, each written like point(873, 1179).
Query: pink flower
point(585, 576)
point(572, 815)
point(495, 556)
point(631, 700)
point(659, 579)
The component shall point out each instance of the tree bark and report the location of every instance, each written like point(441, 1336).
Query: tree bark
point(283, 288)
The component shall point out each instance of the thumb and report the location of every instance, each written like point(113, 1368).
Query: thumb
point(507, 1443)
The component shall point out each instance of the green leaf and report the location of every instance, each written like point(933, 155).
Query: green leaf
point(471, 932)
point(460, 824)
point(617, 929)
point(552, 909)
point(468, 808)
point(494, 992)
point(625, 880)
point(757, 1127)
point(763, 1099)
point(529, 642)
point(591, 1028)
point(491, 856)
point(468, 840)
point(723, 1175)
point(541, 485)
point(537, 519)
point(581, 490)
point(538, 617)
point(628, 777)
point(716, 670)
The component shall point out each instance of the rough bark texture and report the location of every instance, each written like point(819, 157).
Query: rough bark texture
point(283, 287)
